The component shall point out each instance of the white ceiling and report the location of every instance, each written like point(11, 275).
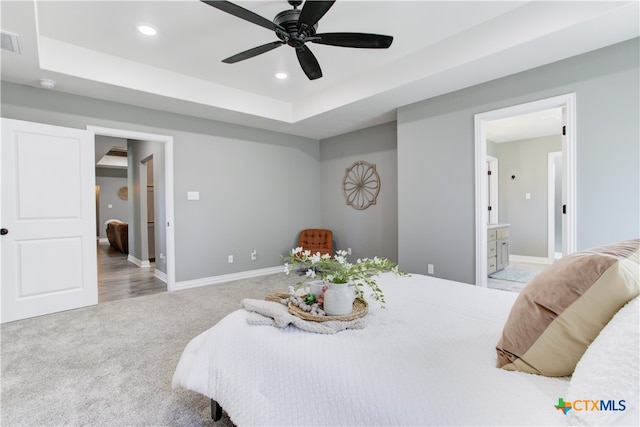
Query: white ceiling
point(92, 48)
point(525, 126)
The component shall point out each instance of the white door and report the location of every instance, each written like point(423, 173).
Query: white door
point(48, 244)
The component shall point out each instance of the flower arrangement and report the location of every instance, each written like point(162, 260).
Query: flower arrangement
point(337, 269)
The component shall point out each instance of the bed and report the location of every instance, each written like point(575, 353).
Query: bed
point(428, 358)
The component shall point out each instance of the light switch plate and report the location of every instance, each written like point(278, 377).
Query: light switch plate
point(193, 195)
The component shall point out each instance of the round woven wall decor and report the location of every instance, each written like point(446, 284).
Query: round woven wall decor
point(361, 185)
point(123, 193)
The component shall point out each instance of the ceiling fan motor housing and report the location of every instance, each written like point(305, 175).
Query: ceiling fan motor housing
point(288, 19)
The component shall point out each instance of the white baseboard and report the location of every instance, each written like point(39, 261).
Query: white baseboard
point(529, 259)
point(161, 275)
point(188, 284)
point(139, 263)
point(103, 240)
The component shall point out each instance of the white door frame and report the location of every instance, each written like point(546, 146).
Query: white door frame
point(494, 199)
point(568, 102)
point(144, 209)
point(551, 205)
point(168, 169)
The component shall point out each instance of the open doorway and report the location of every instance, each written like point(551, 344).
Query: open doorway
point(485, 222)
point(159, 175)
point(125, 219)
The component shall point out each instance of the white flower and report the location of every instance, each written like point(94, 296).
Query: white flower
point(338, 270)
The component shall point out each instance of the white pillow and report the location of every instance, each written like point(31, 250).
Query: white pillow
point(608, 371)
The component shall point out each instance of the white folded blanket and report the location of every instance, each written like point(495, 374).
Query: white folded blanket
point(276, 314)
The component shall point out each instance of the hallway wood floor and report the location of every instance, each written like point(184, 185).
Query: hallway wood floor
point(120, 279)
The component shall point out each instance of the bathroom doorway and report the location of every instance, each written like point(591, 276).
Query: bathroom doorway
point(567, 105)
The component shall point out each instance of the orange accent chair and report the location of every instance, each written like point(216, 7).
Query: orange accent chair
point(316, 240)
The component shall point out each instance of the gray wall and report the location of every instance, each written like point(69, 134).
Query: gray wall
point(109, 186)
point(528, 160)
point(254, 185)
point(492, 148)
point(372, 231)
point(137, 151)
point(259, 188)
point(436, 207)
point(110, 180)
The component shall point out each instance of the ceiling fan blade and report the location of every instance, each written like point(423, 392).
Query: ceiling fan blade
point(311, 13)
point(252, 52)
point(358, 40)
point(242, 13)
point(308, 62)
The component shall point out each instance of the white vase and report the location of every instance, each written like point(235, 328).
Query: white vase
point(315, 287)
point(338, 299)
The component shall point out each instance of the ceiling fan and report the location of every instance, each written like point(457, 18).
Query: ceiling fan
point(296, 27)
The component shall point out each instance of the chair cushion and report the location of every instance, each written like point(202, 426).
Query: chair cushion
point(316, 240)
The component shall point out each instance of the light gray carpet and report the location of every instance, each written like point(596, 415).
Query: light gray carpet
point(112, 364)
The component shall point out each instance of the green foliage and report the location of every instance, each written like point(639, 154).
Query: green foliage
point(338, 269)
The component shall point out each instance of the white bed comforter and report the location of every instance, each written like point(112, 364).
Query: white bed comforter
point(428, 358)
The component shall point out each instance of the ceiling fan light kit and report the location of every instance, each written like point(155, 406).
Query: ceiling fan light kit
point(295, 27)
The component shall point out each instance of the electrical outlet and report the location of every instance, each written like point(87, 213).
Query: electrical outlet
point(230, 259)
point(430, 269)
point(348, 251)
point(254, 255)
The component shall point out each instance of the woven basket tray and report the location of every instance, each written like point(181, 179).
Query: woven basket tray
point(360, 309)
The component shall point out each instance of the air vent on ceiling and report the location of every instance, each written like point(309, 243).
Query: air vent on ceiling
point(10, 42)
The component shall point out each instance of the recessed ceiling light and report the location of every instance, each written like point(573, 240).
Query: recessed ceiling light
point(47, 83)
point(147, 30)
point(281, 76)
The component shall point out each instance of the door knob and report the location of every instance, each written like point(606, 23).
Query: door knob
point(3, 231)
